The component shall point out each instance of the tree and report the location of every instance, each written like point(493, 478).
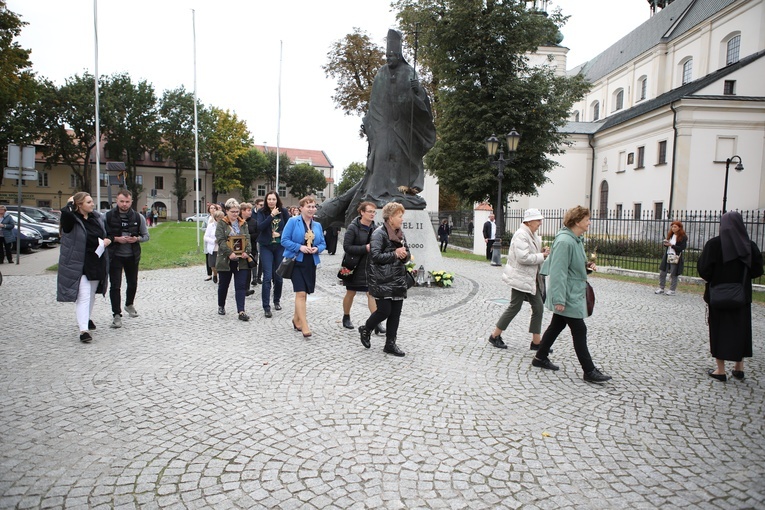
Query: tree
point(130, 121)
point(476, 52)
point(252, 165)
point(69, 134)
point(18, 88)
point(304, 180)
point(351, 176)
point(228, 141)
point(270, 173)
point(176, 124)
point(353, 61)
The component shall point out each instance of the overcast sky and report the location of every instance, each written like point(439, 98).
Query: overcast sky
point(238, 48)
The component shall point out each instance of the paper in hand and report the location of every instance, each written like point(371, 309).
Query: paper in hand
point(101, 248)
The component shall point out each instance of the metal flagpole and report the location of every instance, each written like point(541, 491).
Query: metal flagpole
point(196, 126)
point(98, 121)
point(279, 118)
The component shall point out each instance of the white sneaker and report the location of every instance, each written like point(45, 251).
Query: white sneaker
point(669, 293)
point(131, 311)
point(659, 291)
point(117, 322)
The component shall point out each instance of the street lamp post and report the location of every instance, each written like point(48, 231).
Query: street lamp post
point(739, 167)
point(492, 145)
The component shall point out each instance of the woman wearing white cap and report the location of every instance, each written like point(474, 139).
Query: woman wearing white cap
point(521, 272)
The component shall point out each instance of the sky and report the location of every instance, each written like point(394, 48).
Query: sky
point(241, 46)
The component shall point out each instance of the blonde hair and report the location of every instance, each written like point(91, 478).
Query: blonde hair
point(218, 214)
point(232, 203)
point(79, 198)
point(575, 215)
point(306, 200)
point(391, 209)
point(244, 206)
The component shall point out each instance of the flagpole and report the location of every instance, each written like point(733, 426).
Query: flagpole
point(98, 121)
point(279, 119)
point(196, 126)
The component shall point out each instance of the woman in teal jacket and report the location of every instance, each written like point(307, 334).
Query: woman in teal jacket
point(567, 268)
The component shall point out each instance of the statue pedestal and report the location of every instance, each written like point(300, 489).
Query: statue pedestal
point(422, 240)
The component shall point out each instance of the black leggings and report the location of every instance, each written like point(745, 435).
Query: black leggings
point(386, 309)
point(578, 332)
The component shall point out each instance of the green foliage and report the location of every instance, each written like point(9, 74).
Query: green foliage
point(485, 85)
point(18, 87)
point(442, 278)
point(172, 245)
point(252, 165)
point(352, 175)
point(304, 180)
point(229, 140)
point(269, 173)
point(624, 248)
point(130, 123)
point(354, 61)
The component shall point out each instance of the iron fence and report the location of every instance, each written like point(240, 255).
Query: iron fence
point(620, 239)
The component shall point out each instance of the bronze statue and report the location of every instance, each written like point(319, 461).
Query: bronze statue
point(400, 131)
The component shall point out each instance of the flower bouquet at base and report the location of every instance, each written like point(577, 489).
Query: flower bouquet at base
point(442, 278)
point(345, 274)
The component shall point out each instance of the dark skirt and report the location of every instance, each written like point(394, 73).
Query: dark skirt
point(304, 275)
point(730, 333)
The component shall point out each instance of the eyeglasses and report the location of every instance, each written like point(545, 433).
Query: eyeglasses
point(371, 211)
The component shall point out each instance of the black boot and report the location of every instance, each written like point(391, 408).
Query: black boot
point(347, 322)
point(364, 335)
point(392, 348)
point(380, 329)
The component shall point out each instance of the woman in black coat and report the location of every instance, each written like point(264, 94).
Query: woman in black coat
point(386, 276)
point(730, 257)
point(672, 261)
point(356, 244)
point(443, 234)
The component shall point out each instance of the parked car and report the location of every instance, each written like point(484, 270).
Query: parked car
point(37, 214)
point(50, 233)
point(30, 239)
point(203, 217)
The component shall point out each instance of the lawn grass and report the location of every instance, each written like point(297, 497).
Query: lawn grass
point(170, 245)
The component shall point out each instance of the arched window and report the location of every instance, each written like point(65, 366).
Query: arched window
point(642, 88)
point(618, 99)
point(595, 108)
point(732, 50)
point(603, 210)
point(687, 71)
point(576, 116)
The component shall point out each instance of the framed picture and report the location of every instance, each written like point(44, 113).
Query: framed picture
point(237, 244)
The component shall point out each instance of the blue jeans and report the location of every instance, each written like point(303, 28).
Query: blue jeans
point(270, 257)
point(240, 285)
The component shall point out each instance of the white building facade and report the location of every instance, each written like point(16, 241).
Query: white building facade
point(669, 104)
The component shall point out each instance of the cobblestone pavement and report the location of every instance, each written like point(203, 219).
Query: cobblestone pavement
point(183, 408)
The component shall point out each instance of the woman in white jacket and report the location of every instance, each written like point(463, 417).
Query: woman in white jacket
point(211, 247)
point(521, 273)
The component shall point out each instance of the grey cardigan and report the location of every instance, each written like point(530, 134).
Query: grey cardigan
point(71, 260)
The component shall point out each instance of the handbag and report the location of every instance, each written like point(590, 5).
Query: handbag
point(409, 280)
point(285, 268)
point(673, 258)
point(590, 297)
point(350, 261)
point(252, 263)
point(728, 296)
point(345, 274)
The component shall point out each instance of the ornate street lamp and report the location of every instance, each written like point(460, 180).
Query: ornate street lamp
point(492, 146)
point(739, 167)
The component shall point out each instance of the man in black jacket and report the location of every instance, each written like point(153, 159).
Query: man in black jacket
point(489, 233)
point(126, 229)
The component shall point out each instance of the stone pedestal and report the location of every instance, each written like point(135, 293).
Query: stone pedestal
point(422, 240)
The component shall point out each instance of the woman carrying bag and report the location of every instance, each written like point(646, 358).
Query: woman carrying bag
point(303, 240)
point(521, 273)
point(232, 265)
point(672, 261)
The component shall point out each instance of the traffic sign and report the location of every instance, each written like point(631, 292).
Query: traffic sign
point(26, 175)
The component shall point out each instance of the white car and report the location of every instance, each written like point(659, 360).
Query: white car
point(202, 217)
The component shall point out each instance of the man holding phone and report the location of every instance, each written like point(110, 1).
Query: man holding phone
point(126, 229)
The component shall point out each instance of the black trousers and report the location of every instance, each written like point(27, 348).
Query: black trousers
point(387, 309)
point(578, 332)
point(489, 245)
point(8, 251)
point(116, 266)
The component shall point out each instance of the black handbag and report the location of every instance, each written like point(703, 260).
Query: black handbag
point(590, 296)
point(728, 296)
point(252, 263)
point(350, 261)
point(285, 268)
point(409, 280)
